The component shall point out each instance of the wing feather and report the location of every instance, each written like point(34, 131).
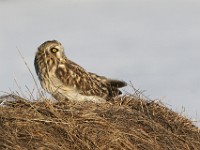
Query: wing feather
point(86, 83)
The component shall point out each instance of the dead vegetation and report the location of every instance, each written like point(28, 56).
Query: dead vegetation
point(128, 123)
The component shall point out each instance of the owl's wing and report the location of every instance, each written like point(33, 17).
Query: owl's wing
point(112, 82)
point(86, 83)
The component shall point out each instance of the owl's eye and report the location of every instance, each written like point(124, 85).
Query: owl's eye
point(54, 50)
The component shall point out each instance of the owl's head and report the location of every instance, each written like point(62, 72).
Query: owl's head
point(52, 49)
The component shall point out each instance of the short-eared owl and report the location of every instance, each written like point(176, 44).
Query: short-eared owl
point(66, 80)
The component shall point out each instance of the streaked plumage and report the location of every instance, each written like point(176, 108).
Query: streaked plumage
point(66, 80)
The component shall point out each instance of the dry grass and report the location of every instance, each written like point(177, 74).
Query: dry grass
point(128, 123)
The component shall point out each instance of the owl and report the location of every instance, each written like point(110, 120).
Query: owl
point(66, 80)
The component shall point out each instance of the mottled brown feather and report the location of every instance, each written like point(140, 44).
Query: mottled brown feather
point(87, 83)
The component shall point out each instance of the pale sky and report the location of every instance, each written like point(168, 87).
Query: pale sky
point(152, 43)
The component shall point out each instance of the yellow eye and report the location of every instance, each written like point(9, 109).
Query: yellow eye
point(54, 50)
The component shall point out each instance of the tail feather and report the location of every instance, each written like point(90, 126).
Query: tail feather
point(117, 83)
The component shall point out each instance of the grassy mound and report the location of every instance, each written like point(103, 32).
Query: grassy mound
point(127, 123)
